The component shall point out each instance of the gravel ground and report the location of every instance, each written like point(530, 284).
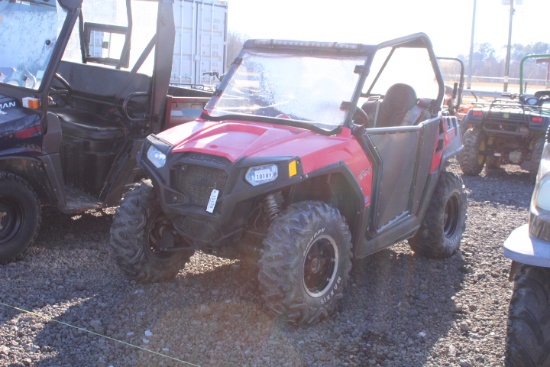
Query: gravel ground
point(66, 303)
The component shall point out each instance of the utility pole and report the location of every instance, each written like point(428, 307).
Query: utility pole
point(508, 49)
point(470, 59)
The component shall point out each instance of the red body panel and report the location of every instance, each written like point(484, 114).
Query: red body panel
point(236, 139)
point(448, 135)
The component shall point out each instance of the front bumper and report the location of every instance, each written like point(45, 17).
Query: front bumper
point(526, 249)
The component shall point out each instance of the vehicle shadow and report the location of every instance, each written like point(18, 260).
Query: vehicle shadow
point(212, 313)
point(406, 306)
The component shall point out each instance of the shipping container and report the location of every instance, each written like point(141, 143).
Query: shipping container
point(200, 47)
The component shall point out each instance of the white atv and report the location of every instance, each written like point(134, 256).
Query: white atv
point(528, 334)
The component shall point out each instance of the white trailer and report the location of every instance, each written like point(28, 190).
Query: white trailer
point(200, 47)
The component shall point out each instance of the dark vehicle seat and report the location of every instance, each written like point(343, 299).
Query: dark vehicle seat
point(86, 125)
point(399, 99)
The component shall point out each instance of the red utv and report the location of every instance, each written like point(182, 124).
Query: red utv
point(309, 155)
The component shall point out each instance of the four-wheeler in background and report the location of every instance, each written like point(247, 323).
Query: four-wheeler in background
point(80, 89)
point(506, 131)
point(309, 155)
point(528, 334)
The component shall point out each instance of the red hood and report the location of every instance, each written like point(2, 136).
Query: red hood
point(234, 140)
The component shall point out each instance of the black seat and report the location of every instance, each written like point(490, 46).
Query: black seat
point(86, 125)
point(399, 99)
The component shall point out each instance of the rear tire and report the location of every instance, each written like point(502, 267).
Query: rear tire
point(20, 216)
point(305, 263)
point(136, 230)
point(528, 334)
point(445, 220)
point(472, 157)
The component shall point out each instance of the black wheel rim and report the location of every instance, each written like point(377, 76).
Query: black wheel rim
point(481, 155)
point(158, 224)
point(11, 219)
point(451, 216)
point(320, 266)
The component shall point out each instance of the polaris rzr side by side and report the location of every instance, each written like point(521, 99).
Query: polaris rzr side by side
point(309, 155)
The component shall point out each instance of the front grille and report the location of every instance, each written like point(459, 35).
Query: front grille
point(197, 182)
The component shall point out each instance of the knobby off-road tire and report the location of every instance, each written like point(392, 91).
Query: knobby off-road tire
point(445, 220)
point(136, 230)
point(305, 264)
point(471, 158)
point(536, 156)
point(528, 336)
point(463, 128)
point(20, 216)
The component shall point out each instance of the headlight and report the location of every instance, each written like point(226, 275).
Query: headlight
point(541, 195)
point(156, 157)
point(261, 174)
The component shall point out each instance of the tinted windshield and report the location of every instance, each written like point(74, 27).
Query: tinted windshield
point(309, 89)
point(28, 34)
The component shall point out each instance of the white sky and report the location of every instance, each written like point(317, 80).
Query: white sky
point(447, 22)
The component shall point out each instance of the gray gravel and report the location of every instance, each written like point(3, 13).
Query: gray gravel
point(66, 303)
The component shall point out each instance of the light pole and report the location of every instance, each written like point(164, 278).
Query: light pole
point(470, 59)
point(508, 48)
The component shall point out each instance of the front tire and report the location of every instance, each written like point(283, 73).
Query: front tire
point(305, 263)
point(472, 157)
point(136, 231)
point(528, 334)
point(445, 220)
point(20, 216)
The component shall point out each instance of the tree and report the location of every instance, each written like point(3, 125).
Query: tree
point(483, 60)
point(235, 42)
point(484, 52)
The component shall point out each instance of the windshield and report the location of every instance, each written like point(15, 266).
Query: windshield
point(28, 34)
point(308, 89)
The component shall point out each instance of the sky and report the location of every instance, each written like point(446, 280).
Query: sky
point(448, 23)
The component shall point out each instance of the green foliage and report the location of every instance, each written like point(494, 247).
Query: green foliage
point(485, 62)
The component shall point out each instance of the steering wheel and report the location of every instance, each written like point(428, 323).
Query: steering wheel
point(67, 87)
point(360, 117)
point(126, 110)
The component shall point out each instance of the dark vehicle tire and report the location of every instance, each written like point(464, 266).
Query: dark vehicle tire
point(135, 233)
point(528, 334)
point(20, 216)
point(305, 264)
point(445, 220)
point(463, 128)
point(471, 158)
point(536, 156)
